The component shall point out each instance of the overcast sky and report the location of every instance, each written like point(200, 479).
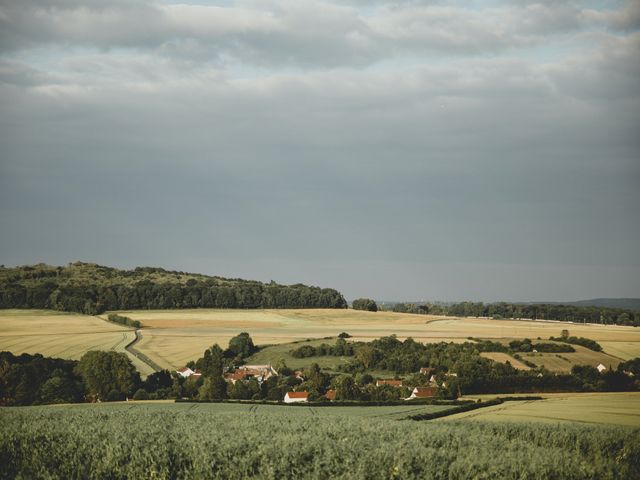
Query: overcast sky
point(436, 150)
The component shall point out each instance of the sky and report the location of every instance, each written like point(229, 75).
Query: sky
point(405, 150)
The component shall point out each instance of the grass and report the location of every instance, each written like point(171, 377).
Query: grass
point(62, 335)
point(173, 337)
point(273, 353)
point(206, 441)
point(619, 408)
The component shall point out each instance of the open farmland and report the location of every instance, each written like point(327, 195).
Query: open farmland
point(173, 337)
point(205, 441)
point(562, 362)
point(501, 357)
point(623, 350)
point(62, 335)
point(615, 408)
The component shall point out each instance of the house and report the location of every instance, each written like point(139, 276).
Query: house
point(426, 371)
point(196, 374)
point(601, 368)
point(330, 395)
point(422, 392)
point(295, 397)
point(185, 372)
point(244, 372)
point(393, 383)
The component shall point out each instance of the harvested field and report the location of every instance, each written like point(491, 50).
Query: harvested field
point(62, 335)
point(501, 357)
point(623, 350)
point(619, 408)
point(562, 362)
point(173, 337)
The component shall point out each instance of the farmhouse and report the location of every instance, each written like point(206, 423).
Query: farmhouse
point(393, 383)
point(330, 395)
point(426, 371)
point(244, 372)
point(422, 392)
point(295, 397)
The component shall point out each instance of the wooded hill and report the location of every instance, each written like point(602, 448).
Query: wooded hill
point(91, 289)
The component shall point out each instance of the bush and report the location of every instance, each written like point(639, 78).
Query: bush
point(141, 395)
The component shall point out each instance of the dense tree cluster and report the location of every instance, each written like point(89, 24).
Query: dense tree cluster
point(524, 345)
point(585, 342)
point(339, 349)
point(89, 288)
point(365, 304)
point(33, 379)
point(535, 311)
point(121, 319)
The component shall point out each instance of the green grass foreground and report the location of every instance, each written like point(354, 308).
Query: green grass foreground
point(206, 441)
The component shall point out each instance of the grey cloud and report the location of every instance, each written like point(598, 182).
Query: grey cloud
point(298, 33)
point(485, 177)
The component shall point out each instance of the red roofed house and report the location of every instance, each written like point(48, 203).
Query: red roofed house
point(393, 383)
point(423, 392)
point(330, 395)
point(426, 371)
point(294, 397)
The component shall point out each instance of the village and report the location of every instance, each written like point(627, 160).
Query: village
point(262, 373)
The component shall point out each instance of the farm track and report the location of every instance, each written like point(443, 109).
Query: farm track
point(139, 355)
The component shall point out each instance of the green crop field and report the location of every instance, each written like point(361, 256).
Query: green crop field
point(206, 441)
point(616, 408)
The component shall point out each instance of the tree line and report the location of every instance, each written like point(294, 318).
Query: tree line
point(93, 289)
point(534, 311)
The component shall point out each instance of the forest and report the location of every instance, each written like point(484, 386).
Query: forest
point(92, 289)
point(533, 311)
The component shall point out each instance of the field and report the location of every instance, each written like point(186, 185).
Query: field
point(173, 337)
point(205, 441)
point(589, 408)
point(623, 350)
point(272, 354)
point(562, 362)
point(64, 335)
point(501, 357)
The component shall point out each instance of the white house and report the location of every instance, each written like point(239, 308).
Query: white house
point(185, 372)
point(294, 397)
point(601, 368)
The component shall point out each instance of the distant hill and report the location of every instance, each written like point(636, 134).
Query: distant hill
point(91, 288)
point(626, 303)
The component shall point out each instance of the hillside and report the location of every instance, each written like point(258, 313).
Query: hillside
point(626, 303)
point(90, 288)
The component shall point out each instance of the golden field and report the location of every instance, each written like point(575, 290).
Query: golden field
point(614, 408)
point(173, 337)
point(63, 335)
